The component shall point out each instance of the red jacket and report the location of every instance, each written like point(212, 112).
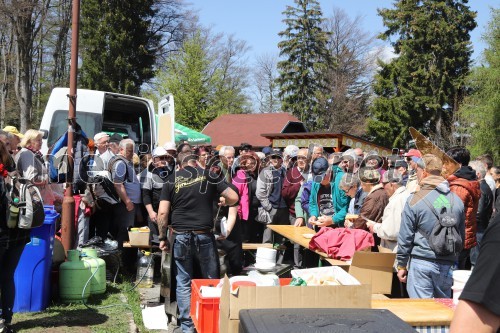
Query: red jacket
point(469, 191)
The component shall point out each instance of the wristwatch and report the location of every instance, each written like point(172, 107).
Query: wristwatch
point(401, 268)
point(162, 238)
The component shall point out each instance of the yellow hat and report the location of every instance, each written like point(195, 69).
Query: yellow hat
point(13, 130)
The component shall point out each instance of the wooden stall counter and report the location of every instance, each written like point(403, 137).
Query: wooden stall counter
point(417, 312)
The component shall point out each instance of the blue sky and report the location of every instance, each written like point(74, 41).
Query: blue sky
point(259, 21)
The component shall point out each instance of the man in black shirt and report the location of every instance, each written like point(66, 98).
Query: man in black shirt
point(479, 307)
point(186, 208)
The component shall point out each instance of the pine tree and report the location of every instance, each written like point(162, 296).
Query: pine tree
point(424, 86)
point(481, 109)
point(305, 58)
point(118, 48)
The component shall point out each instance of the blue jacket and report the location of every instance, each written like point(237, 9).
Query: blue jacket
point(418, 217)
point(339, 198)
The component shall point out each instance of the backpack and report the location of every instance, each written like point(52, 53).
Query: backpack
point(445, 238)
point(104, 182)
point(58, 159)
point(31, 211)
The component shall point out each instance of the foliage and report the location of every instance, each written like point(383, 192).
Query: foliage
point(207, 78)
point(481, 109)
point(22, 25)
point(348, 83)
point(424, 86)
point(117, 45)
point(305, 59)
point(265, 75)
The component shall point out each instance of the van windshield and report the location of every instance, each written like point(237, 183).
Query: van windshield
point(91, 124)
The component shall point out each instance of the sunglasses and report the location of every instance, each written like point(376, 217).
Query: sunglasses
point(347, 190)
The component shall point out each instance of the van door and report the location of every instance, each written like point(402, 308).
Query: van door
point(166, 120)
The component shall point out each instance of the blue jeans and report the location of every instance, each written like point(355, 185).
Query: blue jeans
point(427, 279)
point(474, 252)
point(192, 249)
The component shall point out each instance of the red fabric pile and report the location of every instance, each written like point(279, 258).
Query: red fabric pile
point(341, 243)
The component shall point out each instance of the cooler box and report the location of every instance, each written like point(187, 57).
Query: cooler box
point(320, 320)
point(32, 275)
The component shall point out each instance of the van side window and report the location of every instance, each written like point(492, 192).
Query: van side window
point(90, 123)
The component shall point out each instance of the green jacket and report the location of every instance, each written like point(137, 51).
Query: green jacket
point(339, 198)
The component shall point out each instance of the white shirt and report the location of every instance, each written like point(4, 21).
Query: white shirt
point(491, 182)
point(388, 230)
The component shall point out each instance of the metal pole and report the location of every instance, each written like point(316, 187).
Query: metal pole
point(68, 206)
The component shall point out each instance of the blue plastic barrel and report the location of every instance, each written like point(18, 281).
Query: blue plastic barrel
point(32, 275)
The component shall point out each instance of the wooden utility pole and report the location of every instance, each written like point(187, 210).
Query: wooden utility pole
point(68, 206)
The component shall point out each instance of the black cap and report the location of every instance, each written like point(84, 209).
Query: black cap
point(276, 152)
point(246, 146)
point(401, 163)
point(115, 138)
point(319, 168)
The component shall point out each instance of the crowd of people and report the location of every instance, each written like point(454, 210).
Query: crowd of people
point(197, 200)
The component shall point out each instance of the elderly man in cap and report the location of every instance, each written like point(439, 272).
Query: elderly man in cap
point(413, 157)
point(152, 184)
point(428, 274)
point(323, 190)
point(290, 156)
point(101, 141)
point(15, 138)
point(113, 148)
point(171, 148)
point(269, 193)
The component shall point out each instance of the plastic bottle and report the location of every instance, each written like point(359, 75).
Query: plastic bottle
point(13, 214)
point(145, 270)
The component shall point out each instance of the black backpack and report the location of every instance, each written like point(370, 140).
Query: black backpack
point(100, 180)
point(445, 238)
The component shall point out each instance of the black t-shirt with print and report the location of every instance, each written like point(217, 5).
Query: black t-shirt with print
point(191, 192)
point(482, 286)
point(325, 202)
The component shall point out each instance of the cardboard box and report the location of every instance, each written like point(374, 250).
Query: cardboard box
point(374, 268)
point(139, 238)
point(288, 297)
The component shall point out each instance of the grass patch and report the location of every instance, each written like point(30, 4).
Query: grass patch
point(117, 310)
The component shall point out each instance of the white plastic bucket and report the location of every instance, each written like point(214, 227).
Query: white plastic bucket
point(266, 253)
point(460, 278)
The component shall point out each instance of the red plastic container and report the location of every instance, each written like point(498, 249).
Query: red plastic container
point(204, 310)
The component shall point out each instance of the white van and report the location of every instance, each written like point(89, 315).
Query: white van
point(99, 111)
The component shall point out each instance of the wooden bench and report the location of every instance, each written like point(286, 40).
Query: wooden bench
point(255, 246)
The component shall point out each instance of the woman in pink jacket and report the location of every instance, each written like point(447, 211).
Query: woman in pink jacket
point(246, 182)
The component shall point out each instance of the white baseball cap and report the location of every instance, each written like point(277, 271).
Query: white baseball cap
point(159, 151)
point(169, 146)
point(100, 135)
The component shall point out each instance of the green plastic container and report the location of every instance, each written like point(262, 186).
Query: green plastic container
point(98, 282)
point(73, 276)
